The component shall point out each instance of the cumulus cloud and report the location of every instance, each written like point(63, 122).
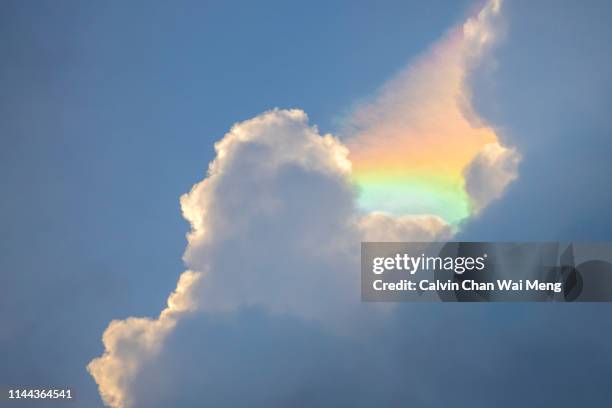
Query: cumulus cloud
point(273, 225)
point(275, 221)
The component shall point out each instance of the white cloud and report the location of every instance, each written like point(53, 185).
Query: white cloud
point(273, 224)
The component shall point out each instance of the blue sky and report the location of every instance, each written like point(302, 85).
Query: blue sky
point(110, 111)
